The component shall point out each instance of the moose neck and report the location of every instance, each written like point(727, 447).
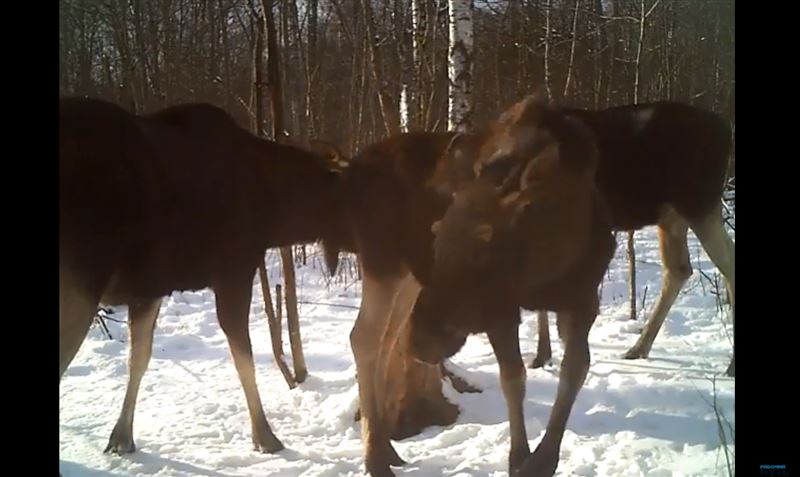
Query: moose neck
point(301, 195)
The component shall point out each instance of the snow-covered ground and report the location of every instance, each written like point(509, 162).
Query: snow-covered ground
point(633, 418)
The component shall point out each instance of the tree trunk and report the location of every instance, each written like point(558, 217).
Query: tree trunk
point(142, 51)
point(639, 44)
point(460, 65)
point(311, 70)
point(389, 112)
point(598, 57)
point(417, 38)
point(572, 49)
point(632, 272)
point(274, 78)
point(119, 28)
point(226, 53)
point(547, 14)
point(273, 319)
point(361, 91)
point(636, 89)
point(292, 316)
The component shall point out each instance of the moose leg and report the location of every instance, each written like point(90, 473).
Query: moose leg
point(76, 309)
point(676, 270)
point(233, 305)
point(505, 343)
point(378, 297)
point(141, 324)
point(574, 331)
point(408, 393)
point(543, 352)
point(406, 295)
point(395, 387)
point(720, 249)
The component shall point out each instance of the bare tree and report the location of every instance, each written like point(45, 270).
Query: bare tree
point(278, 130)
point(389, 112)
point(460, 65)
point(547, 34)
point(574, 42)
point(345, 64)
point(631, 249)
point(273, 317)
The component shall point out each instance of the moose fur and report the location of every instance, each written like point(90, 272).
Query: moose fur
point(663, 164)
point(181, 199)
point(531, 230)
point(391, 197)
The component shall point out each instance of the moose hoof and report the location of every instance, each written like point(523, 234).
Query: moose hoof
point(539, 362)
point(375, 469)
point(392, 457)
point(380, 458)
point(120, 443)
point(541, 463)
point(516, 460)
point(634, 353)
point(269, 444)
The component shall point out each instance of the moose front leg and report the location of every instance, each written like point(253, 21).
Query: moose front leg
point(505, 343)
point(574, 331)
point(377, 301)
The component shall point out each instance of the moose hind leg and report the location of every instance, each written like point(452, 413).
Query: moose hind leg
point(76, 309)
point(676, 270)
point(543, 351)
point(141, 325)
point(720, 249)
point(233, 307)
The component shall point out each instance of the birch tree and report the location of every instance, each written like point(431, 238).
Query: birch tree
point(345, 65)
point(460, 65)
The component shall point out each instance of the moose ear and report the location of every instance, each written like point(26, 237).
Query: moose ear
point(532, 109)
point(483, 232)
point(527, 112)
point(535, 173)
point(329, 150)
point(540, 167)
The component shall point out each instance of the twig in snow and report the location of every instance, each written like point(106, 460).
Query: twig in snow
point(722, 424)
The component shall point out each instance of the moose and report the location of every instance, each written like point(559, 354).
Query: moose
point(393, 192)
point(663, 164)
point(196, 202)
point(527, 228)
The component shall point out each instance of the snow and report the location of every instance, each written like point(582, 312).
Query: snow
point(649, 417)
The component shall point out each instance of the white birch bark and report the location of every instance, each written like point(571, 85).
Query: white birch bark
point(460, 65)
point(404, 108)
